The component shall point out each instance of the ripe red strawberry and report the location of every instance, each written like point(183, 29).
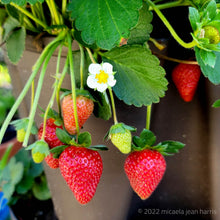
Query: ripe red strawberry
point(82, 169)
point(186, 78)
point(145, 170)
point(51, 161)
point(52, 140)
point(85, 108)
point(50, 133)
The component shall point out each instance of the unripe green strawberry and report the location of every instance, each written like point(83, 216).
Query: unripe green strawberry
point(120, 135)
point(85, 108)
point(21, 134)
point(37, 157)
point(212, 34)
point(39, 150)
point(122, 141)
point(145, 170)
point(21, 127)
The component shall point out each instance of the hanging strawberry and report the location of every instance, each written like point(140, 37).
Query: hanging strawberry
point(145, 166)
point(186, 78)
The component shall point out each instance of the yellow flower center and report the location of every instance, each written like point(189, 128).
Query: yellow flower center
point(102, 77)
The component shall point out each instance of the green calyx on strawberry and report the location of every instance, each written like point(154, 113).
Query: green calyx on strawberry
point(21, 127)
point(145, 166)
point(120, 135)
point(39, 150)
point(84, 140)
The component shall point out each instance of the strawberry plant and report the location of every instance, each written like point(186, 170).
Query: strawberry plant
point(114, 60)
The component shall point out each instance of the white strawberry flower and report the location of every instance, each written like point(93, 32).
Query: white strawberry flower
point(101, 76)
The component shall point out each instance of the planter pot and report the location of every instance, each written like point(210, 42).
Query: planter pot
point(191, 182)
point(113, 182)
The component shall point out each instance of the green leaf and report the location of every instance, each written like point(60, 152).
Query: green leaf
point(208, 57)
point(56, 151)
point(3, 112)
point(102, 107)
point(24, 157)
point(23, 124)
point(216, 104)
point(210, 10)
point(4, 159)
point(171, 147)
point(140, 78)
point(15, 44)
point(9, 25)
point(21, 2)
point(25, 185)
point(211, 72)
point(104, 22)
point(16, 170)
point(2, 16)
point(146, 138)
point(85, 139)
point(63, 136)
point(40, 189)
point(8, 190)
point(141, 32)
point(194, 17)
point(12, 11)
point(35, 169)
point(98, 147)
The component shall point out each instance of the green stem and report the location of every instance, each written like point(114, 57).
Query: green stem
point(63, 74)
point(32, 93)
point(82, 60)
point(37, 11)
point(27, 13)
point(113, 105)
point(173, 4)
point(20, 98)
point(50, 104)
point(38, 92)
point(148, 118)
point(90, 55)
point(64, 4)
point(73, 83)
point(56, 18)
point(5, 157)
point(28, 24)
point(170, 28)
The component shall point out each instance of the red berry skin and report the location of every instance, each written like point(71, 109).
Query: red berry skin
point(145, 170)
point(82, 170)
point(51, 161)
point(50, 133)
point(85, 108)
point(186, 78)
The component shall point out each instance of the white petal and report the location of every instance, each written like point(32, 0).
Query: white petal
point(111, 81)
point(91, 81)
point(107, 67)
point(101, 87)
point(94, 68)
